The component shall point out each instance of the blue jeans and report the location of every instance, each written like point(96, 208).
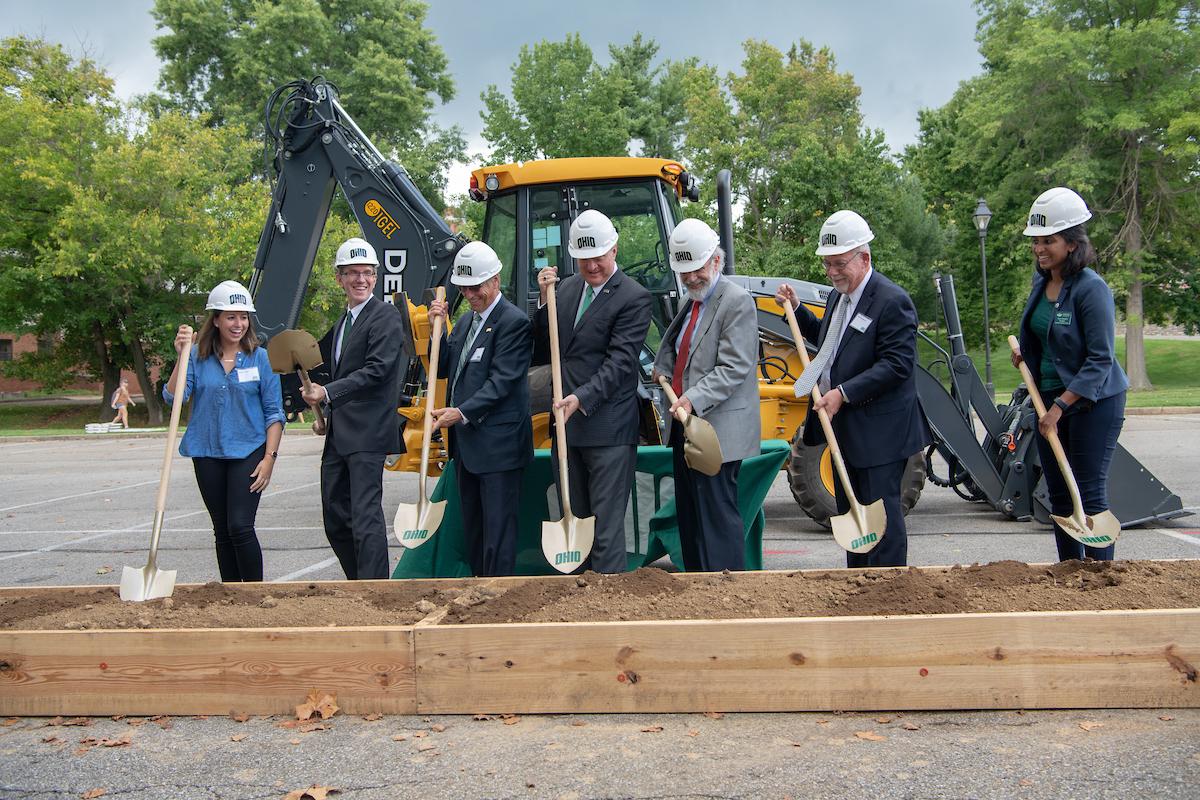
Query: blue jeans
point(1088, 437)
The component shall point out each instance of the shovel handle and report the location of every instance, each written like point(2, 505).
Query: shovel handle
point(1055, 445)
point(435, 352)
point(319, 425)
point(164, 479)
point(835, 452)
point(560, 422)
point(680, 414)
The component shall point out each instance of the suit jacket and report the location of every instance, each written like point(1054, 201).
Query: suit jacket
point(719, 375)
point(365, 390)
point(600, 357)
point(1082, 335)
point(882, 421)
point(492, 391)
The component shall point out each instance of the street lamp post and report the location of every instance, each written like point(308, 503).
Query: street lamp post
point(981, 218)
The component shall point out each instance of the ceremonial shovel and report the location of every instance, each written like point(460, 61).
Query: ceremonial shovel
point(567, 542)
point(861, 528)
point(416, 522)
point(1100, 530)
point(701, 448)
point(150, 582)
point(297, 351)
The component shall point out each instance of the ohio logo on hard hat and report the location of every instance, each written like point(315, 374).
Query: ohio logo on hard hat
point(682, 255)
point(358, 252)
point(1037, 219)
point(585, 241)
point(238, 298)
point(463, 269)
point(829, 238)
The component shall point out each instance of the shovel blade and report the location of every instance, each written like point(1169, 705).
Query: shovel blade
point(414, 524)
point(147, 583)
point(568, 542)
point(293, 348)
point(1101, 530)
point(855, 538)
point(701, 448)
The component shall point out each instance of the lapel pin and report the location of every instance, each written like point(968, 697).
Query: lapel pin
point(487, 330)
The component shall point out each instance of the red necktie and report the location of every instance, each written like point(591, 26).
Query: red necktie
point(685, 345)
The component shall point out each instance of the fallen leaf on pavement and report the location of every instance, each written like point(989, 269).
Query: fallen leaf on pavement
point(313, 792)
point(238, 716)
point(437, 728)
point(81, 721)
point(317, 703)
point(92, 794)
point(482, 717)
point(373, 717)
point(424, 746)
point(869, 736)
point(419, 734)
point(578, 724)
point(1090, 726)
point(714, 714)
point(510, 719)
point(51, 740)
point(103, 570)
point(399, 737)
point(909, 726)
point(8, 723)
point(237, 737)
point(652, 729)
point(884, 720)
point(693, 733)
point(1166, 719)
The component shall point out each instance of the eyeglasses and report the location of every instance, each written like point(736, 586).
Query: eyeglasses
point(838, 266)
point(355, 274)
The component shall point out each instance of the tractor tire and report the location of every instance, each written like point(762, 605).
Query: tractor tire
point(810, 477)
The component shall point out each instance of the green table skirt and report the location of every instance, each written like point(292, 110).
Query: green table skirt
point(651, 530)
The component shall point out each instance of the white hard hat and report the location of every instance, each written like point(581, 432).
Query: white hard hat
point(592, 235)
point(692, 245)
point(1056, 210)
point(842, 232)
point(474, 264)
point(229, 296)
point(355, 251)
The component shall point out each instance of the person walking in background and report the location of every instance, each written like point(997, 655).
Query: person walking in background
point(710, 350)
point(235, 425)
point(122, 401)
point(866, 372)
point(367, 347)
point(1068, 341)
point(603, 317)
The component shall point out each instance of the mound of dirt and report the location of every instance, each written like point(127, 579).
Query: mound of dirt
point(647, 594)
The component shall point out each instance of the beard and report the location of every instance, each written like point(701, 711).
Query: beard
point(701, 289)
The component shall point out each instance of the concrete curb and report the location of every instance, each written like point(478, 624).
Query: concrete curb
point(1155, 410)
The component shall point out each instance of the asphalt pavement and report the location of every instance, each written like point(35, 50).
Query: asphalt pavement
point(73, 511)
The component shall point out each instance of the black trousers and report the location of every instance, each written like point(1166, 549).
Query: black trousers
point(1089, 437)
point(352, 505)
point(601, 479)
point(490, 502)
point(871, 484)
point(225, 486)
point(711, 532)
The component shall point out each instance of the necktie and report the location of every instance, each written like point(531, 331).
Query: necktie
point(808, 378)
point(462, 358)
point(346, 326)
point(685, 346)
point(588, 294)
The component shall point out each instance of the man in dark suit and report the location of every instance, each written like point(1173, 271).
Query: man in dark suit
point(486, 364)
point(603, 316)
point(360, 411)
point(865, 370)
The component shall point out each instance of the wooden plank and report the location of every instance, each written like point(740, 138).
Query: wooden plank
point(204, 671)
point(1079, 659)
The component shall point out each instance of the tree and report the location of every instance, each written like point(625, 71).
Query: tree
point(655, 96)
point(563, 105)
point(1098, 95)
point(222, 58)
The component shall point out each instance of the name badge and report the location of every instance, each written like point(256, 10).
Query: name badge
point(477, 355)
point(247, 374)
point(860, 323)
point(1062, 317)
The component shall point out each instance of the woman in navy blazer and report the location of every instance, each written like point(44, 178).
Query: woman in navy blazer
point(1068, 334)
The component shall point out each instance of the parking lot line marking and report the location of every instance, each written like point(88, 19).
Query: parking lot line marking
point(291, 576)
point(81, 494)
point(61, 531)
point(1185, 536)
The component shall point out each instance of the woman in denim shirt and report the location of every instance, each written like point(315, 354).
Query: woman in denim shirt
point(1068, 334)
point(235, 426)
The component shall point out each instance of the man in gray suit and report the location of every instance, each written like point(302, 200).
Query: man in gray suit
point(710, 351)
point(603, 316)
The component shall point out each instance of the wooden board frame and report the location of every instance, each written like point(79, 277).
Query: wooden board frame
point(1072, 659)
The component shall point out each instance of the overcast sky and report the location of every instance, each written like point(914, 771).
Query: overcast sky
point(904, 54)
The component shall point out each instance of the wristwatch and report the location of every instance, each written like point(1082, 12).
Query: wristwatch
point(1063, 404)
point(274, 454)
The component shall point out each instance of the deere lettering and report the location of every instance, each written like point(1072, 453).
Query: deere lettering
point(1037, 219)
point(683, 255)
point(420, 533)
point(859, 542)
point(383, 220)
point(569, 557)
point(829, 238)
point(585, 241)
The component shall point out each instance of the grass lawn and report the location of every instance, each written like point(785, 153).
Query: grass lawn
point(70, 418)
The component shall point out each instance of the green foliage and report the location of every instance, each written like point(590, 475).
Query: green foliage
point(1098, 96)
point(222, 58)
